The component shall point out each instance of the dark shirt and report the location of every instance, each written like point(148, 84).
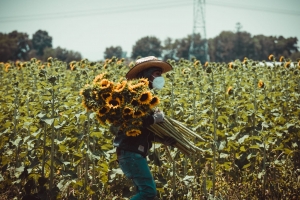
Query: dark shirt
point(139, 144)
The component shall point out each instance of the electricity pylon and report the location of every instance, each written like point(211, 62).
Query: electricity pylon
point(199, 28)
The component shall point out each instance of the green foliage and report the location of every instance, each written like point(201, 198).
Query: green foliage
point(113, 52)
point(147, 46)
point(248, 112)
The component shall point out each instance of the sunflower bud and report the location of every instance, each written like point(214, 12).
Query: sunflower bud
point(261, 84)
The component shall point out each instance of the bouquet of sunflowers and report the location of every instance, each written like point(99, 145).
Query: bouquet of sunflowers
point(122, 104)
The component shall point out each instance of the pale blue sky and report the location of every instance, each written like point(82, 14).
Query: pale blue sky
point(89, 26)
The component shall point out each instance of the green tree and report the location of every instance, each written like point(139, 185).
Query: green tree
point(41, 40)
point(221, 48)
point(14, 46)
point(147, 46)
point(113, 51)
point(168, 50)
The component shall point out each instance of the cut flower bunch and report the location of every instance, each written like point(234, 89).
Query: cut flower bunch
point(122, 104)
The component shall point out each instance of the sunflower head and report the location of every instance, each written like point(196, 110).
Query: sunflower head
point(154, 102)
point(229, 91)
point(138, 114)
point(119, 87)
point(134, 102)
point(133, 132)
point(105, 84)
point(103, 110)
point(113, 103)
point(287, 64)
point(271, 57)
point(98, 78)
point(127, 111)
point(261, 84)
point(137, 123)
point(145, 97)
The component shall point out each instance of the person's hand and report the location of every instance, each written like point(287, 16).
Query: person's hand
point(169, 141)
point(158, 116)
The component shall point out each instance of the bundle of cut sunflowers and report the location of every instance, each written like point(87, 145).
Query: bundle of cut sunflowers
point(123, 104)
point(126, 103)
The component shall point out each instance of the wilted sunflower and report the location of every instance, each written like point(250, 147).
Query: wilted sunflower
point(261, 84)
point(271, 57)
point(229, 91)
point(154, 101)
point(230, 65)
point(133, 132)
point(113, 102)
point(145, 97)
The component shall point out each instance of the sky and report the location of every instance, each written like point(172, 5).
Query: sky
point(91, 26)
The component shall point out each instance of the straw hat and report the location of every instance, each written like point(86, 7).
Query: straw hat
point(146, 63)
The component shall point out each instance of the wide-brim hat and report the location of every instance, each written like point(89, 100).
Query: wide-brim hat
point(146, 63)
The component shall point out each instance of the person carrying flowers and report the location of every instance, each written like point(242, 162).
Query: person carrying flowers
point(132, 146)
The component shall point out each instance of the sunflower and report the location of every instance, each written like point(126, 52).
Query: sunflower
point(105, 95)
point(229, 91)
point(261, 84)
point(87, 104)
point(287, 64)
point(281, 59)
point(100, 120)
point(127, 111)
point(102, 111)
point(137, 123)
point(145, 97)
point(154, 101)
point(144, 81)
point(271, 57)
point(230, 65)
point(105, 83)
point(98, 78)
point(138, 114)
point(120, 86)
point(133, 132)
point(134, 102)
point(113, 102)
point(134, 87)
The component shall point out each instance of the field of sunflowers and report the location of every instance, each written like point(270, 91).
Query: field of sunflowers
point(55, 142)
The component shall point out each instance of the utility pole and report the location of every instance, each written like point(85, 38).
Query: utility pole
point(199, 28)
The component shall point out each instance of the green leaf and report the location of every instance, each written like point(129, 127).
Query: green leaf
point(247, 165)
point(209, 184)
point(254, 147)
point(48, 121)
point(242, 148)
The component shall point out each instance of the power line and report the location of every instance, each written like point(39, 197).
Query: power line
point(93, 12)
point(130, 8)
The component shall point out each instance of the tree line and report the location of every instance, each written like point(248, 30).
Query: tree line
point(225, 47)
point(18, 46)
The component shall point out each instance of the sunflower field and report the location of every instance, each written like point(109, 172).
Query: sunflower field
point(55, 146)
